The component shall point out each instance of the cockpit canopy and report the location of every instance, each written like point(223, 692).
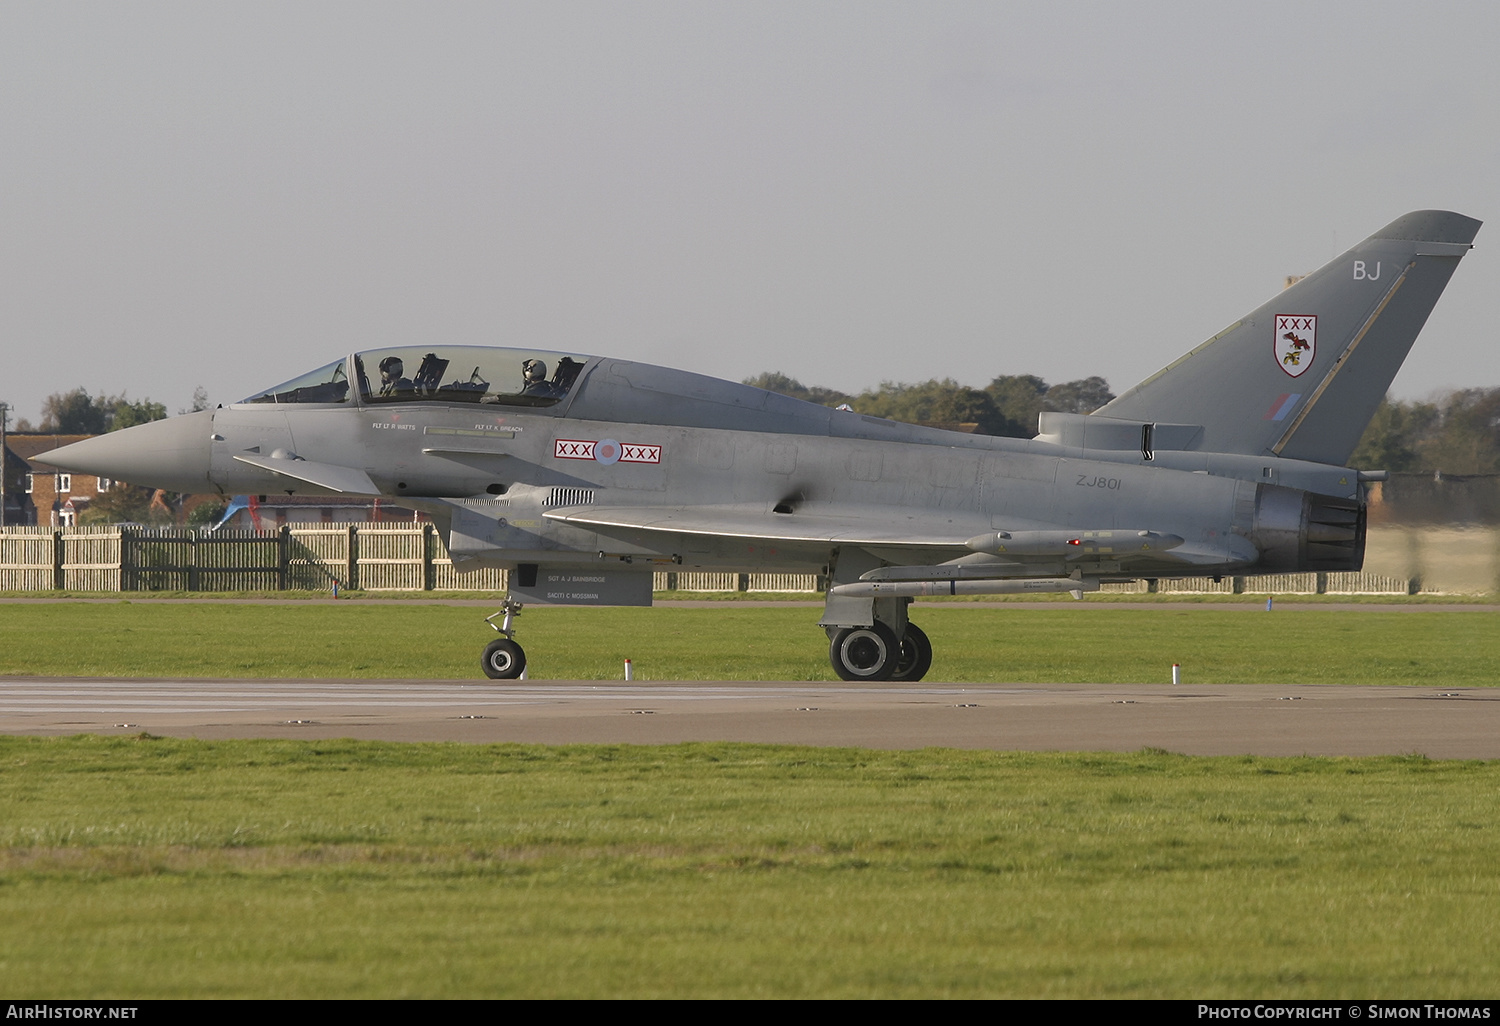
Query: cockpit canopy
point(441, 374)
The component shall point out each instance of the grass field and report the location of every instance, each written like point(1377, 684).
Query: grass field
point(1066, 643)
point(144, 867)
point(137, 867)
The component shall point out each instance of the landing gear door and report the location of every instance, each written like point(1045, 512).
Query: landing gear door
point(581, 586)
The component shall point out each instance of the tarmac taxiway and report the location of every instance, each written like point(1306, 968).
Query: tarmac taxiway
point(1227, 719)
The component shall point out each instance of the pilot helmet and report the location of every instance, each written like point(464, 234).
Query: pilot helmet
point(534, 370)
point(392, 365)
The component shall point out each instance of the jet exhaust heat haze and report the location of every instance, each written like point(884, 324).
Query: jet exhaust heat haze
point(582, 475)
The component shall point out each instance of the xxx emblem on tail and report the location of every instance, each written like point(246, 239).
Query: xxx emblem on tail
point(1296, 342)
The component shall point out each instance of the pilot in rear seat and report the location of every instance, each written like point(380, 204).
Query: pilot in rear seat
point(535, 373)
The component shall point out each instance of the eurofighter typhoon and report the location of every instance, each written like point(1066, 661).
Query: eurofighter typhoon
point(581, 475)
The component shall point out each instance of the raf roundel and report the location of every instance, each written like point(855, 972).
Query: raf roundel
point(607, 450)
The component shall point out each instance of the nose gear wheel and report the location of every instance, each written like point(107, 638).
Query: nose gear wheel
point(503, 658)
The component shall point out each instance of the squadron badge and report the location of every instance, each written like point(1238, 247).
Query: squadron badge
point(1296, 342)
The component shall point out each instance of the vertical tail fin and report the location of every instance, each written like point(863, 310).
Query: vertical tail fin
point(1301, 376)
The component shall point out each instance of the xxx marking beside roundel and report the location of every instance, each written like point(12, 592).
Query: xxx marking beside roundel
point(606, 451)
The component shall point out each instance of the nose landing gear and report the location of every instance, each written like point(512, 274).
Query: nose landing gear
point(503, 658)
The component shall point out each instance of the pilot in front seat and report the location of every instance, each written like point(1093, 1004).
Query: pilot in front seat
point(392, 381)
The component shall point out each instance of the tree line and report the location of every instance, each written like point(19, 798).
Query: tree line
point(1455, 433)
point(78, 413)
point(1008, 405)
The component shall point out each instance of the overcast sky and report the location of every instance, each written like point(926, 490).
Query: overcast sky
point(228, 195)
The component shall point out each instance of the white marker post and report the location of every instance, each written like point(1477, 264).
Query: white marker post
point(1176, 675)
point(629, 671)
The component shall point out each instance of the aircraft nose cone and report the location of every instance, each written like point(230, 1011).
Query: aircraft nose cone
point(171, 454)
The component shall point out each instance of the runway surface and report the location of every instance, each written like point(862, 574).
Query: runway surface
point(1209, 720)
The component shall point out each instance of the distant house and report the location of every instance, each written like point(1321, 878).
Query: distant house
point(36, 493)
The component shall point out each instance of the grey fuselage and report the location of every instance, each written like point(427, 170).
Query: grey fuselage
point(763, 482)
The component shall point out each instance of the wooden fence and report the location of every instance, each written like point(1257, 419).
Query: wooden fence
point(384, 558)
point(173, 559)
point(364, 556)
point(1277, 584)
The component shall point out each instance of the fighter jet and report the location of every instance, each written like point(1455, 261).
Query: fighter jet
point(582, 475)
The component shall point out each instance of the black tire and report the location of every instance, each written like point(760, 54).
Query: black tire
point(916, 655)
point(503, 660)
point(864, 653)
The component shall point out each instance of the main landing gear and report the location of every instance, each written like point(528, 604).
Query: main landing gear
point(858, 653)
point(869, 637)
point(873, 653)
point(503, 659)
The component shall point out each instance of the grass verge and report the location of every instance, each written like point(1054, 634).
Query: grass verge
point(148, 867)
point(1065, 644)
